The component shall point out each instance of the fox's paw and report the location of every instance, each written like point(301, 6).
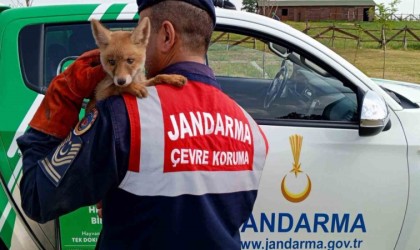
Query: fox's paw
point(178, 80)
point(137, 89)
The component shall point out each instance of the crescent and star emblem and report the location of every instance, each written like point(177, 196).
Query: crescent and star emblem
point(296, 144)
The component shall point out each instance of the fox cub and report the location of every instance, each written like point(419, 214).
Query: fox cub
point(123, 54)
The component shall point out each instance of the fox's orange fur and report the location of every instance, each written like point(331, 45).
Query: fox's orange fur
point(123, 54)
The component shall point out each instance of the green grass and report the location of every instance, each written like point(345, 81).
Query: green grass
point(394, 62)
point(390, 64)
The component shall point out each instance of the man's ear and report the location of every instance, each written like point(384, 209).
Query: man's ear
point(141, 33)
point(101, 34)
point(169, 36)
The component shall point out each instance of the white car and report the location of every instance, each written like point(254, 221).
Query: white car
point(343, 169)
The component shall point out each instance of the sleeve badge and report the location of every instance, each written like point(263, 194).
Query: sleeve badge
point(56, 164)
point(86, 123)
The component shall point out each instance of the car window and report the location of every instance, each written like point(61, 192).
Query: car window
point(274, 81)
point(42, 47)
point(62, 41)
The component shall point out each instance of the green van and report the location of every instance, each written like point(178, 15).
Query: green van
point(358, 184)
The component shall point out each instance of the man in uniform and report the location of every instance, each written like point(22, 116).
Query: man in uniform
point(177, 170)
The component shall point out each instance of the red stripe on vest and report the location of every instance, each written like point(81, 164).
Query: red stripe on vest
point(133, 114)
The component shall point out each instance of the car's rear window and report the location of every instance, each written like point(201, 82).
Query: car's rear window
point(42, 47)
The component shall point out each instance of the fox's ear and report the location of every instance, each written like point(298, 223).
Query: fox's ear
point(141, 33)
point(100, 33)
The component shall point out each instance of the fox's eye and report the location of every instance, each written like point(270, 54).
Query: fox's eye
point(130, 61)
point(111, 62)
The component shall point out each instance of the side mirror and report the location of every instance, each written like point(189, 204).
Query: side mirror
point(374, 117)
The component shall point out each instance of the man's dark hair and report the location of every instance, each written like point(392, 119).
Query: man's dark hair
point(194, 25)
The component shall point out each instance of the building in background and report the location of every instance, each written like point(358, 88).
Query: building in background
point(317, 10)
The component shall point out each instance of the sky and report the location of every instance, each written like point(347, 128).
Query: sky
point(405, 7)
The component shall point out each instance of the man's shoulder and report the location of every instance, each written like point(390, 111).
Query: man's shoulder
point(112, 104)
point(112, 101)
point(113, 108)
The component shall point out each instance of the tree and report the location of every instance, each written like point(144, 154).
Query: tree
point(249, 6)
point(385, 12)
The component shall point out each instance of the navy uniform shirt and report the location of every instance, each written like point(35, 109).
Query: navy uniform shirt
point(88, 167)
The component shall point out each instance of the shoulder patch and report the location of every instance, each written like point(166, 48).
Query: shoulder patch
point(56, 164)
point(86, 123)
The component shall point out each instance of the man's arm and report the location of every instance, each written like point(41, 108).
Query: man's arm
point(61, 176)
point(64, 170)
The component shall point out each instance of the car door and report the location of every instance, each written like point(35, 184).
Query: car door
point(32, 48)
point(324, 186)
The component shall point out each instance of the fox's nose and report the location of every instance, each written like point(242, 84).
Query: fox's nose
point(121, 81)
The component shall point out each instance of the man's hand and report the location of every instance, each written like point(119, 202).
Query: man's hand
point(59, 111)
point(84, 74)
